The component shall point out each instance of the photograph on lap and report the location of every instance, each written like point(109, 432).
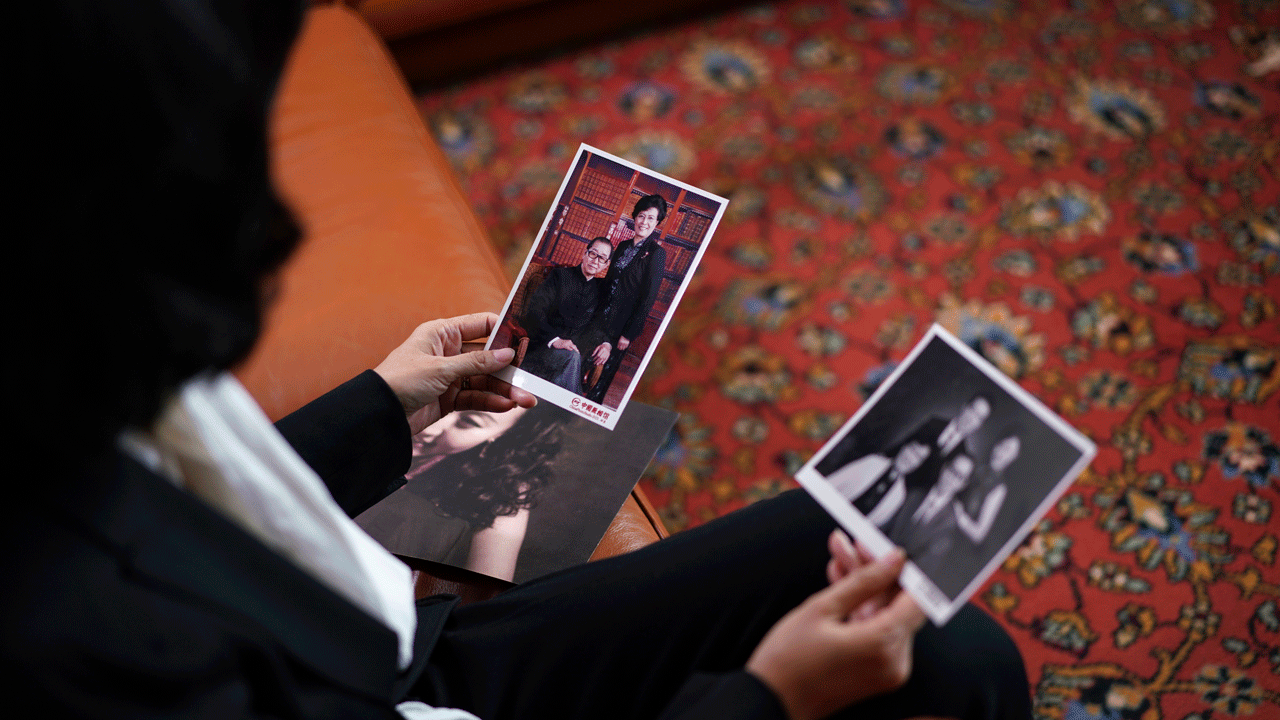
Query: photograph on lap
point(515, 495)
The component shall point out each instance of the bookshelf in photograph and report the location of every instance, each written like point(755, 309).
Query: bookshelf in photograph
point(598, 201)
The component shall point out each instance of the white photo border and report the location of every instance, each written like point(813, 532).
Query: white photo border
point(577, 404)
point(932, 600)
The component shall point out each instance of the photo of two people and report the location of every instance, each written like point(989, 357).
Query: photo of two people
point(613, 257)
point(949, 460)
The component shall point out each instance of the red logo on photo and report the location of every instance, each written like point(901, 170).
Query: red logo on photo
point(588, 408)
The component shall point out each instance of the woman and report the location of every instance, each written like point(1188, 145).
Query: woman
point(185, 558)
point(633, 281)
point(977, 507)
point(473, 480)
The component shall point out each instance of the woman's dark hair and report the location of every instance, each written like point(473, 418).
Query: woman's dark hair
point(154, 226)
point(651, 201)
point(496, 478)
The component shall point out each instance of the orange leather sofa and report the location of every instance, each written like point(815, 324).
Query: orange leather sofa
point(390, 241)
point(437, 41)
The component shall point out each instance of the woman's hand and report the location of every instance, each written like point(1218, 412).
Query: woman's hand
point(433, 373)
point(845, 643)
point(845, 558)
point(600, 355)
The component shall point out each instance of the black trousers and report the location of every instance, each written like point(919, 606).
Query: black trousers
point(622, 638)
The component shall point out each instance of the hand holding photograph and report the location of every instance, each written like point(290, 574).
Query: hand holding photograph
point(613, 257)
point(950, 460)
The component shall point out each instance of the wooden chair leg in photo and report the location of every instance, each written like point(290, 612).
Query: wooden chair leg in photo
point(590, 379)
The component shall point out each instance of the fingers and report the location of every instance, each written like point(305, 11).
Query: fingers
point(488, 386)
point(842, 548)
point(835, 571)
point(448, 336)
point(475, 325)
point(477, 363)
point(484, 402)
point(844, 558)
point(902, 612)
point(863, 584)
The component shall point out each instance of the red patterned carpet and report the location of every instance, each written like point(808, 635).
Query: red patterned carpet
point(1087, 193)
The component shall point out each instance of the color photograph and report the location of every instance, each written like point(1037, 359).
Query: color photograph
point(614, 255)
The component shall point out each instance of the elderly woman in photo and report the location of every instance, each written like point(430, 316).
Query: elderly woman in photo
point(632, 283)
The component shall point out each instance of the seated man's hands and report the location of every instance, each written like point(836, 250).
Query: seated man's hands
point(845, 643)
point(427, 371)
point(600, 355)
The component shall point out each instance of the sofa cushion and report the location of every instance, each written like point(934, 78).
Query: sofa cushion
point(390, 240)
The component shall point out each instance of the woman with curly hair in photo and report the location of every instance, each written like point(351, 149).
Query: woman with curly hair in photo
point(475, 476)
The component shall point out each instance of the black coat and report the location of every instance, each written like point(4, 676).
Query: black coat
point(126, 597)
point(567, 305)
point(633, 289)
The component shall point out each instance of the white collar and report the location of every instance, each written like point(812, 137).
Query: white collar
point(213, 440)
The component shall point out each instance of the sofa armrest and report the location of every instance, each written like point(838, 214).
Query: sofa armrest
point(390, 241)
point(394, 19)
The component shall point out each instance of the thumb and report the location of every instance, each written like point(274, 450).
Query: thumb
point(864, 583)
point(477, 363)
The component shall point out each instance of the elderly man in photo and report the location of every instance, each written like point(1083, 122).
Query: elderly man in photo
point(563, 320)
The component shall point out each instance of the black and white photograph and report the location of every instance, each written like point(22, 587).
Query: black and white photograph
point(950, 460)
point(615, 253)
point(515, 495)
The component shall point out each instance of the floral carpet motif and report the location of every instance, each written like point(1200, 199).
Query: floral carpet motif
point(1086, 193)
